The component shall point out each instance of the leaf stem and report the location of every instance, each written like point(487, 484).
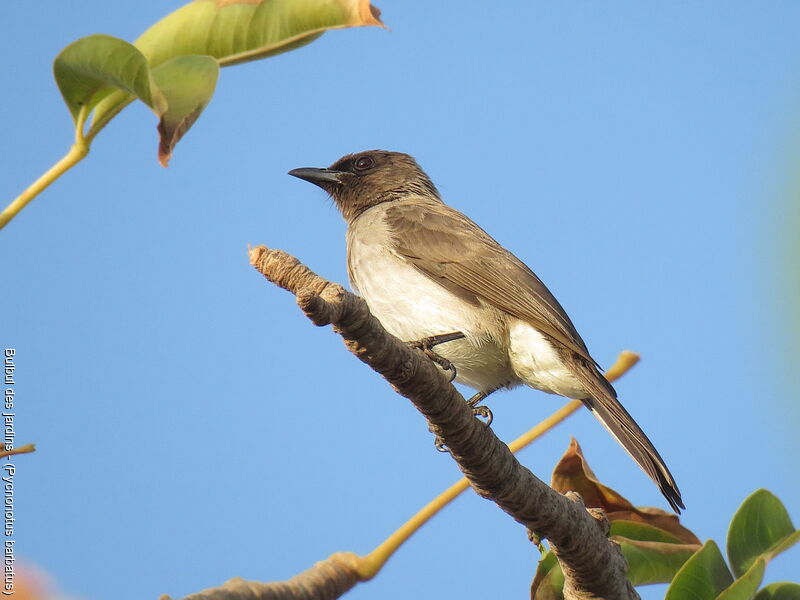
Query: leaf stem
point(371, 564)
point(76, 153)
point(98, 124)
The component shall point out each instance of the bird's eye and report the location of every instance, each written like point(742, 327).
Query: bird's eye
point(363, 163)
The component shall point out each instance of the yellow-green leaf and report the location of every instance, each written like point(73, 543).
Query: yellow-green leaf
point(236, 31)
point(91, 67)
point(654, 556)
point(783, 590)
point(702, 577)
point(188, 83)
point(761, 527)
point(654, 562)
point(643, 532)
point(746, 586)
point(572, 473)
point(548, 583)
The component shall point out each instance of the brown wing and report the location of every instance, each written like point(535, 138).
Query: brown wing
point(452, 250)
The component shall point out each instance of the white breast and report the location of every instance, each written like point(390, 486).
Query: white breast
point(411, 306)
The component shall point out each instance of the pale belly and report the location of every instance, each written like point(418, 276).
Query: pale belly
point(537, 363)
point(411, 307)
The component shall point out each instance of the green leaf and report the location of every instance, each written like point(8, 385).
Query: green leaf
point(780, 591)
point(91, 67)
point(653, 557)
point(761, 527)
point(188, 83)
point(236, 31)
point(703, 577)
point(745, 587)
point(548, 583)
point(654, 562)
point(643, 532)
point(572, 473)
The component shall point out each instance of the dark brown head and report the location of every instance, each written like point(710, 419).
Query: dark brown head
point(359, 181)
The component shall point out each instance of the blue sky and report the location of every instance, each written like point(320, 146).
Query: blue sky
point(193, 426)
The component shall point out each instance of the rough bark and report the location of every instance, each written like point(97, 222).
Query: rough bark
point(327, 579)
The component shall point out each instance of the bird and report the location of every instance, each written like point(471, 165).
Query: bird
point(433, 277)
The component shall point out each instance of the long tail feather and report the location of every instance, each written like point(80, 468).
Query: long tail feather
point(621, 425)
point(602, 401)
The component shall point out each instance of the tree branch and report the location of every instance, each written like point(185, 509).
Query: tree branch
point(593, 566)
point(327, 579)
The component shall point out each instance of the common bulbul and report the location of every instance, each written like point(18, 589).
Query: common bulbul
point(426, 270)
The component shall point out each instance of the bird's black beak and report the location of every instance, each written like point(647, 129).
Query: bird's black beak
point(324, 178)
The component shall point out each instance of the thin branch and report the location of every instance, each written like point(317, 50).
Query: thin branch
point(330, 578)
point(76, 154)
point(26, 449)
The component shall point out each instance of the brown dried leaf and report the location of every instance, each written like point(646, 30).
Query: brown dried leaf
point(572, 473)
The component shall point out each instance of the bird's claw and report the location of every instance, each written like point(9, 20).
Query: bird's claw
point(442, 362)
point(438, 441)
point(484, 413)
point(427, 344)
point(479, 410)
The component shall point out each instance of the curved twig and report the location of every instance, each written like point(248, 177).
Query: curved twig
point(330, 578)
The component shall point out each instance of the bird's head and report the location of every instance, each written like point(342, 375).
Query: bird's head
point(358, 181)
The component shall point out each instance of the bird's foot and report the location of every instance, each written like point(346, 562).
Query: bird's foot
point(485, 413)
point(478, 411)
point(437, 441)
point(481, 411)
point(427, 344)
